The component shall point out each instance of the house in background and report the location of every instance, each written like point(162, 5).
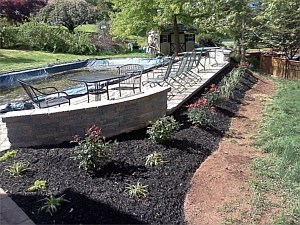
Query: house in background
point(186, 39)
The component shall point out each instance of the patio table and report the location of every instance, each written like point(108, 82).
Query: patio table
point(100, 81)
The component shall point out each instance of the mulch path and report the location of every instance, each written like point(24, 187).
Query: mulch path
point(220, 189)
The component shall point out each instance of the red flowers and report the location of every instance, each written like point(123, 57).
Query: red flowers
point(213, 88)
point(94, 131)
point(93, 134)
point(200, 103)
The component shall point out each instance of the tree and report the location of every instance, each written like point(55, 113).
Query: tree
point(134, 16)
point(104, 8)
point(279, 25)
point(67, 13)
point(20, 10)
point(252, 23)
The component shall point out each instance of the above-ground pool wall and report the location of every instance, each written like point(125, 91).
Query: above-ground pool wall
point(56, 125)
point(10, 80)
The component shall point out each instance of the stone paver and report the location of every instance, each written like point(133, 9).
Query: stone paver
point(10, 213)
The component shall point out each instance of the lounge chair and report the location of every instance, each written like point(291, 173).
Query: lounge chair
point(162, 78)
point(182, 74)
point(192, 64)
point(198, 63)
point(47, 96)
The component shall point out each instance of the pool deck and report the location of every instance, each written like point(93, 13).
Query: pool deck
point(10, 213)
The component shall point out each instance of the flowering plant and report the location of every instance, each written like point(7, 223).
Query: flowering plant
point(199, 113)
point(92, 152)
point(213, 95)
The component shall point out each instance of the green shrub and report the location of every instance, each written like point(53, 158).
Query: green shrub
point(235, 57)
point(41, 36)
point(8, 155)
point(79, 43)
point(8, 34)
point(93, 152)
point(38, 185)
point(163, 129)
point(230, 81)
point(213, 95)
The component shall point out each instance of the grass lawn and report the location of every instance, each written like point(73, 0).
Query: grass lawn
point(279, 172)
point(228, 42)
point(12, 60)
point(91, 28)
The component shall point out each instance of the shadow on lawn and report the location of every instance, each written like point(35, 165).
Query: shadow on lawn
point(13, 60)
point(76, 211)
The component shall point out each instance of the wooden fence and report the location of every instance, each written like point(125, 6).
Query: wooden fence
point(280, 67)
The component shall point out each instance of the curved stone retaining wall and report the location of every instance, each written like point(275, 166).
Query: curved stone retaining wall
point(55, 125)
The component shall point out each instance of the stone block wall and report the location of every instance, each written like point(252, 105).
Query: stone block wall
point(55, 125)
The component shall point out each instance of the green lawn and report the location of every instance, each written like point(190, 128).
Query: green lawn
point(12, 60)
point(91, 28)
point(228, 42)
point(279, 172)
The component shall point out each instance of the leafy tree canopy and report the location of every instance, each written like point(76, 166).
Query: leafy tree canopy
point(20, 10)
point(67, 13)
point(134, 16)
point(279, 25)
point(104, 8)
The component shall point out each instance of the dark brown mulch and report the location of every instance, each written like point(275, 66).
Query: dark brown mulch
point(101, 198)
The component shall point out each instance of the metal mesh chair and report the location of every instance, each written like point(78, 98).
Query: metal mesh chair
point(133, 77)
point(47, 96)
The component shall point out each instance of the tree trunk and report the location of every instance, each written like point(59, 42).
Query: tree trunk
point(176, 36)
point(243, 47)
point(71, 29)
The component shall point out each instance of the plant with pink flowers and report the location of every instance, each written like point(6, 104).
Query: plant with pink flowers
point(92, 152)
point(213, 95)
point(199, 113)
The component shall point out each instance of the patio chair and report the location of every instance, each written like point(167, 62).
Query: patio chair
point(211, 54)
point(163, 76)
point(133, 77)
point(47, 96)
point(192, 64)
point(97, 89)
point(200, 55)
point(181, 74)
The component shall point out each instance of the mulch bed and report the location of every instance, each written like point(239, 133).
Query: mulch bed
point(101, 198)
